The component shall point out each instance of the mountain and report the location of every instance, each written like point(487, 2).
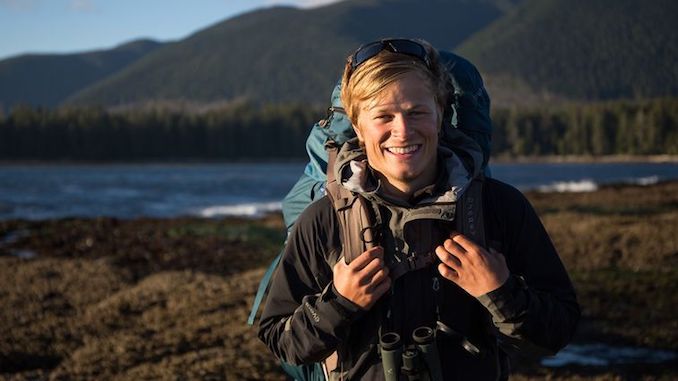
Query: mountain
point(529, 51)
point(582, 49)
point(47, 79)
point(285, 54)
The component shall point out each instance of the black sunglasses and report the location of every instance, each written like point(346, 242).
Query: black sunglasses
point(397, 45)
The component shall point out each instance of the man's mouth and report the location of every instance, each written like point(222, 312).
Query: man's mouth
point(404, 150)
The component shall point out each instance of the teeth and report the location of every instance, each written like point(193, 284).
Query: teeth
point(403, 150)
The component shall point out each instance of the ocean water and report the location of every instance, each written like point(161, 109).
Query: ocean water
point(602, 355)
point(226, 189)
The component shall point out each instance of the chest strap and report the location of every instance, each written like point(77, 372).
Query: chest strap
point(411, 264)
point(469, 221)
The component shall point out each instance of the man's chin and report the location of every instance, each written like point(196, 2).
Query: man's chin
point(406, 176)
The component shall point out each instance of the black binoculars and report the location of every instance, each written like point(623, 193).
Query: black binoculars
point(419, 361)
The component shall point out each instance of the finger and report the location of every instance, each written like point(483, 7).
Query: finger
point(447, 272)
point(466, 243)
point(341, 263)
point(473, 253)
point(381, 288)
point(447, 258)
point(368, 271)
point(366, 257)
point(379, 276)
point(453, 247)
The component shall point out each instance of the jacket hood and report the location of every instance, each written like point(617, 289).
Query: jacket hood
point(460, 154)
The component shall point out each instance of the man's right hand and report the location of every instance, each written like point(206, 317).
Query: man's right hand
point(364, 280)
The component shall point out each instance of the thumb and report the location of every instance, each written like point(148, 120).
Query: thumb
point(498, 256)
point(341, 262)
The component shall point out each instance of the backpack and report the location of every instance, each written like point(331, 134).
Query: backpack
point(469, 112)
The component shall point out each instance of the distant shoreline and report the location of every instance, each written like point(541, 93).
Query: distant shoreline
point(584, 159)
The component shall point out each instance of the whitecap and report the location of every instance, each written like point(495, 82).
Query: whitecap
point(644, 181)
point(585, 185)
point(254, 209)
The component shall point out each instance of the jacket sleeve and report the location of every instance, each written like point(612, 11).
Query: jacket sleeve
point(536, 310)
point(304, 317)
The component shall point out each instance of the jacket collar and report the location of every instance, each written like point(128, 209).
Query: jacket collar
point(460, 155)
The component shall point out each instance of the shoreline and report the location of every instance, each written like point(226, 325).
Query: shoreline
point(265, 212)
point(668, 159)
point(498, 159)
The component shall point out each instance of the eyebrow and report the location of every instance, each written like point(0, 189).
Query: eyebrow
point(386, 107)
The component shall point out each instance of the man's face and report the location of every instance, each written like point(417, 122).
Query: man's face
point(399, 130)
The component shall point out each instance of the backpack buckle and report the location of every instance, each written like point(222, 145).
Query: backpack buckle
point(374, 233)
point(416, 262)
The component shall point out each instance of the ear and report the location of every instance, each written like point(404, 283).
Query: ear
point(358, 133)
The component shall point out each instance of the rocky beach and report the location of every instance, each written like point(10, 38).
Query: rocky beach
point(117, 299)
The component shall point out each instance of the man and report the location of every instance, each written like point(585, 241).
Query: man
point(515, 295)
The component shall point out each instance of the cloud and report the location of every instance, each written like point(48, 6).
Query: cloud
point(82, 5)
point(303, 3)
point(315, 3)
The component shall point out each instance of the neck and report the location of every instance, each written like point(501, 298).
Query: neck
point(401, 192)
point(404, 190)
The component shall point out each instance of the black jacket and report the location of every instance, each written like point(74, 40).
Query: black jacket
point(535, 312)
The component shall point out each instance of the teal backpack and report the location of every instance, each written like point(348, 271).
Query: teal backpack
point(469, 112)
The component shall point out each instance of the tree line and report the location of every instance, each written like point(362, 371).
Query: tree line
point(643, 127)
point(242, 132)
point(248, 132)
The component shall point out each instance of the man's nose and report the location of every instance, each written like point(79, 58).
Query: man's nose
point(401, 127)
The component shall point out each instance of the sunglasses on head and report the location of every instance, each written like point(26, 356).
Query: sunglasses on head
point(395, 45)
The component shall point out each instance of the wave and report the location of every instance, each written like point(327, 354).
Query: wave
point(254, 209)
point(644, 181)
point(588, 185)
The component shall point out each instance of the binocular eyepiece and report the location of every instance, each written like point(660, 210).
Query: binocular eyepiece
point(391, 355)
point(418, 362)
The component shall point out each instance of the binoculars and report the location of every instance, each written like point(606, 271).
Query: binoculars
point(419, 361)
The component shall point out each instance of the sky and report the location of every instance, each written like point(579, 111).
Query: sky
point(67, 26)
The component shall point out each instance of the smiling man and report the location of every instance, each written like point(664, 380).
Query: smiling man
point(399, 132)
point(427, 301)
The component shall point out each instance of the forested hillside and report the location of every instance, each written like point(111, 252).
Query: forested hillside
point(284, 54)
point(583, 49)
point(47, 79)
point(531, 52)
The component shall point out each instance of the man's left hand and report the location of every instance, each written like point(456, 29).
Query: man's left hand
point(470, 266)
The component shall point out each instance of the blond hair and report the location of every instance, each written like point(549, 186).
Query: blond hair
point(368, 80)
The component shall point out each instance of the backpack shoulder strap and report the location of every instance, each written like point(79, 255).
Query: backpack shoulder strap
point(358, 222)
point(469, 220)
